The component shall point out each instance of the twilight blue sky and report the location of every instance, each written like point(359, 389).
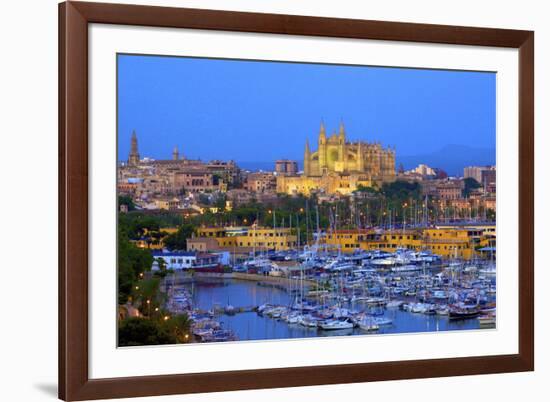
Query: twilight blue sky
point(261, 111)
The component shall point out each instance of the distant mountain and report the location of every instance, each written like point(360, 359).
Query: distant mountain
point(451, 158)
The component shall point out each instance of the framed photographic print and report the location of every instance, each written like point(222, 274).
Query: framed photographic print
point(260, 200)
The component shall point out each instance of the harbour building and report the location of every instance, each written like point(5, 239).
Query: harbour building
point(260, 238)
point(448, 242)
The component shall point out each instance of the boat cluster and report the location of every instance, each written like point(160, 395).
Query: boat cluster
point(333, 291)
point(204, 326)
point(207, 329)
point(354, 290)
point(324, 318)
point(276, 263)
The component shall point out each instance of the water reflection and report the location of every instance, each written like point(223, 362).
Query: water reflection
point(208, 294)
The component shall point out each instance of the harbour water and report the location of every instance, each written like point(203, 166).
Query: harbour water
point(215, 294)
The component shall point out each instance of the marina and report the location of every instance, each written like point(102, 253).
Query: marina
point(337, 295)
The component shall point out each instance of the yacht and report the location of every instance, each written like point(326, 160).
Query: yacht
point(382, 321)
point(488, 270)
point(336, 324)
point(368, 324)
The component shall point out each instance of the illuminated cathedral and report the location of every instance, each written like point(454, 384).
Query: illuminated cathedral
point(339, 166)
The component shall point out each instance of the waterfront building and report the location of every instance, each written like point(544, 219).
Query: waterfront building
point(446, 241)
point(267, 238)
point(183, 260)
point(261, 238)
point(339, 166)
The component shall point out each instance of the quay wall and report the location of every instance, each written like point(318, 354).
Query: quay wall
point(280, 280)
point(182, 277)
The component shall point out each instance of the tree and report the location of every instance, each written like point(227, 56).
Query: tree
point(220, 201)
point(178, 326)
point(178, 240)
point(132, 262)
point(128, 201)
point(142, 331)
point(146, 295)
point(365, 189)
point(470, 184)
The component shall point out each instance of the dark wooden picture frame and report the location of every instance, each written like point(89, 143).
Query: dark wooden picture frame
point(74, 382)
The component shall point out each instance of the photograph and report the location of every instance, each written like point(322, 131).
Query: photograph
point(264, 200)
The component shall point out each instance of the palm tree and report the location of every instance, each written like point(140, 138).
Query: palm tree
point(146, 294)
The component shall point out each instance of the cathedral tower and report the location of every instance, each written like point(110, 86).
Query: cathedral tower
point(133, 158)
point(342, 145)
point(322, 150)
point(175, 153)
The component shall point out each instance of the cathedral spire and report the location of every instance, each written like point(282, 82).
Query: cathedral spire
point(342, 129)
point(175, 153)
point(322, 133)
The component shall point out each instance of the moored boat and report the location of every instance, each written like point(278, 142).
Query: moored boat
point(336, 324)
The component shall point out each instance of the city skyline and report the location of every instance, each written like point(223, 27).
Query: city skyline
point(226, 103)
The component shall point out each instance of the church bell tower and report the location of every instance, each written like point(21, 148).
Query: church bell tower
point(133, 158)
